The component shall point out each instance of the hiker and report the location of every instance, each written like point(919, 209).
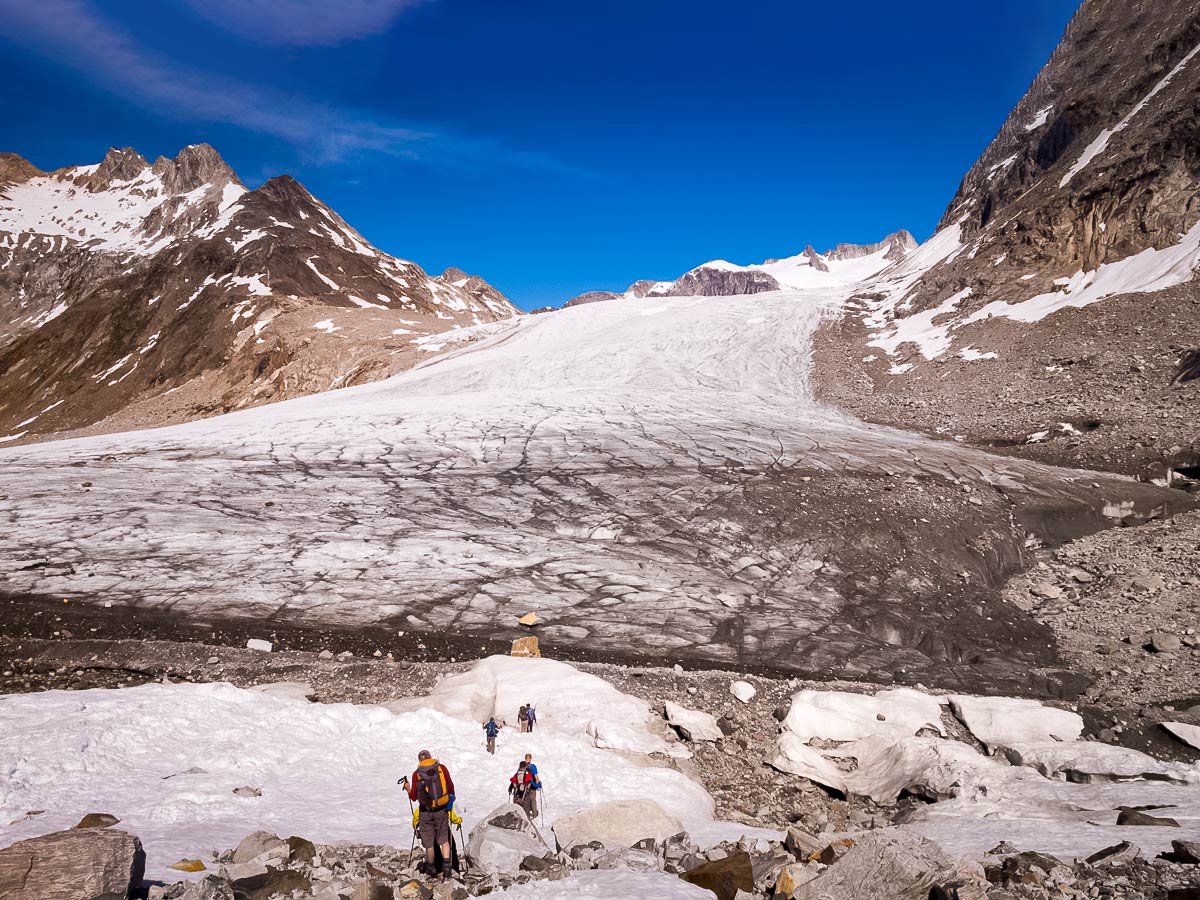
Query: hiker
point(531, 715)
point(522, 791)
point(523, 718)
point(491, 729)
point(432, 789)
point(439, 861)
point(535, 781)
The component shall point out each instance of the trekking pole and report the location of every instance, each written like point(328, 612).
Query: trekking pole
point(466, 864)
point(413, 843)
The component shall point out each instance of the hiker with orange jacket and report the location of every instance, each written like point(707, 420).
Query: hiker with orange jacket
point(432, 789)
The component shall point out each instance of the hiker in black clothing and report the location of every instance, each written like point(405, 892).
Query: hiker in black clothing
point(523, 718)
point(522, 791)
point(530, 715)
point(491, 729)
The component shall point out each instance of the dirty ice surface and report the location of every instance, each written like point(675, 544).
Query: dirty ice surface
point(632, 473)
point(165, 759)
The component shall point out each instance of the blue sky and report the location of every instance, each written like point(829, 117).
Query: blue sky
point(550, 146)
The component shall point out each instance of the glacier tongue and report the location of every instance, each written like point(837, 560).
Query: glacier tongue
point(654, 478)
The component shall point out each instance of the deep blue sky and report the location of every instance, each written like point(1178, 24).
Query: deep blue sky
point(550, 146)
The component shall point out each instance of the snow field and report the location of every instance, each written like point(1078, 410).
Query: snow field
point(166, 759)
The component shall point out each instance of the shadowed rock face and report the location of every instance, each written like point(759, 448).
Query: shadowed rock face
point(1059, 293)
point(137, 294)
point(658, 484)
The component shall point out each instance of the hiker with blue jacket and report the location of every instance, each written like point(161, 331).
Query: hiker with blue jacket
point(491, 729)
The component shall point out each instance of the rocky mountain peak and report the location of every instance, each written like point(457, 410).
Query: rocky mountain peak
point(454, 274)
point(14, 169)
point(195, 165)
point(123, 164)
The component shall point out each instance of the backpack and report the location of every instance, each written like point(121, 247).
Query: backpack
point(491, 728)
point(431, 787)
point(520, 783)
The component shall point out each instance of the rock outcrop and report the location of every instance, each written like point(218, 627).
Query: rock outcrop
point(1051, 313)
point(80, 864)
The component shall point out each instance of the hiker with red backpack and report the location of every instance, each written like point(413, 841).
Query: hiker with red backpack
point(432, 789)
point(522, 788)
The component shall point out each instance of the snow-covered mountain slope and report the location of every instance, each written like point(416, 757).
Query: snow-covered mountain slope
point(1062, 280)
point(166, 291)
point(843, 265)
point(651, 478)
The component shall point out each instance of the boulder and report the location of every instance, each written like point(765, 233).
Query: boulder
point(270, 883)
point(802, 844)
point(260, 645)
point(1189, 734)
point(210, 887)
point(792, 876)
point(767, 864)
point(1136, 817)
point(620, 823)
point(526, 646)
point(906, 865)
point(80, 864)
point(1186, 852)
point(743, 691)
point(261, 844)
point(547, 868)
point(693, 724)
point(724, 877)
point(629, 858)
point(97, 820)
point(301, 849)
point(585, 856)
point(1116, 855)
point(502, 840)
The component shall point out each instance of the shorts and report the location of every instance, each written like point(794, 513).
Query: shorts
point(433, 827)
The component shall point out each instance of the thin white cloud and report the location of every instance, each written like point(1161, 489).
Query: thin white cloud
point(302, 23)
point(71, 33)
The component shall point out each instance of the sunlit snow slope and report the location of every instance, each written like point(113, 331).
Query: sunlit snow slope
point(651, 479)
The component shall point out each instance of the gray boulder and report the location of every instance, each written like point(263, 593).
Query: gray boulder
point(81, 864)
point(504, 838)
point(884, 866)
point(621, 823)
point(261, 844)
point(629, 858)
